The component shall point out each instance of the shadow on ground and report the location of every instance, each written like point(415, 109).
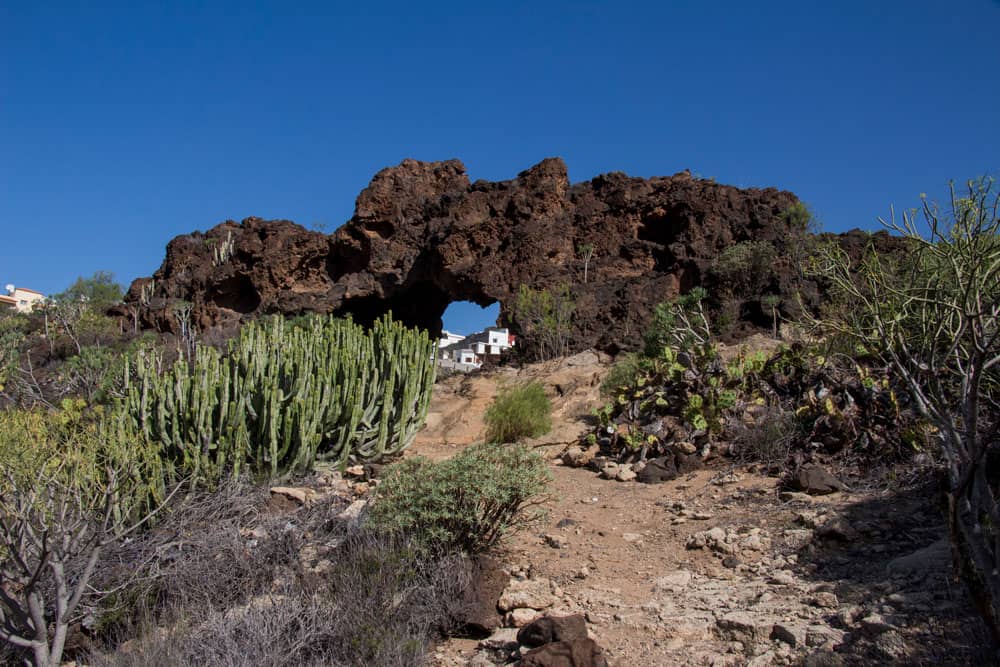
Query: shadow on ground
point(888, 562)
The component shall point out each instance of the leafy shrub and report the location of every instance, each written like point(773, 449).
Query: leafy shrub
point(624, 373)
point(466, 503)
point(79, 450)
point(544, 318)
point(744, 269)
point(520, 411)
point(68, 490)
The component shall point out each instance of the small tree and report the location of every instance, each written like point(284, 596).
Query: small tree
point(680, 323)
point(78, 312)
point(586, 251)
point(772, 302)
point(182, 313)
point(67, 491)
point(100, 290)
point(544, 317)
point(11, 340)
point(934, 314)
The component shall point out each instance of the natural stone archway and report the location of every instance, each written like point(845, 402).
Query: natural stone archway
point(423, 236)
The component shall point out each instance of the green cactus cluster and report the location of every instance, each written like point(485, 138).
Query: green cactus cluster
point(686, 391)
point(694, 384)
point(283, 396)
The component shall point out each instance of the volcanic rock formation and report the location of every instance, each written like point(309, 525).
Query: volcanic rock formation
point(423, 236)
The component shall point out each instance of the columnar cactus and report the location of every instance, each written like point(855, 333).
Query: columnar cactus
point(283, 396)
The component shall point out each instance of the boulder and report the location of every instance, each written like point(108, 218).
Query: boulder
point(687, 463)
point(553, 629)
point(672, 582)
point(300, 495)
point(582, 652)
point(577, 457)
point(527, 594)
point(658, 470)
point(816, 481)
point(932, 559)
point(478, 614)
point(684, 447)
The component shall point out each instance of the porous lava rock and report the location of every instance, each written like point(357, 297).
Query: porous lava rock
point(552, 629)
point(583, 652)
point(478, 615)
point(423, 235)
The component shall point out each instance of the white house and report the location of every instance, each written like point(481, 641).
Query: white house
point(471, 351)
point(448, 339)
point(21, 299)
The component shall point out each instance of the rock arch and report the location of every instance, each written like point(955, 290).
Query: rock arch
point(423, 235)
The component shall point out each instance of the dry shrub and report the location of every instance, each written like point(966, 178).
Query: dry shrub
point(379, 603)
point(769, 440)
point(214, 550)
point(219, 582)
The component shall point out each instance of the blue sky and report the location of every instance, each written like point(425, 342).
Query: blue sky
point(123, 126)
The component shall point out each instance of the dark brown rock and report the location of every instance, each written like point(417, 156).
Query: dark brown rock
point(552, 629)
point(816, 481)
point(658, 470)
point(423, 235)
point(479, 615)
point(577, 653)
point(687, 463)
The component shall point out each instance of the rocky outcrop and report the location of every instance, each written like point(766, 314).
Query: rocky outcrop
point(423, 236)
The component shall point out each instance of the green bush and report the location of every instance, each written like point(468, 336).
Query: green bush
point(744, 269)
point(623, 374)
point(680, 323)
point(799, 217)
point(79, 450)
point(520, 411)
point(466, 503)
point(545, 319)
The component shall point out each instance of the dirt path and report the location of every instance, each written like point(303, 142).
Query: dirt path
point(717, 568)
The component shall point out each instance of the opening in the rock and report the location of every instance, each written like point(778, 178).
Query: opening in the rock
point(466, 317)
point(470, 336)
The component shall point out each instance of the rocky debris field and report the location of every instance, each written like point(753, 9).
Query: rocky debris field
point(719, 566)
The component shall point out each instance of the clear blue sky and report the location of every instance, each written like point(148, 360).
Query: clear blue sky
point(121, 127)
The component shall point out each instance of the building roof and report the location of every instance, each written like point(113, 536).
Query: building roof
point(7, 299)
point(469, 342)
point(25, 289)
